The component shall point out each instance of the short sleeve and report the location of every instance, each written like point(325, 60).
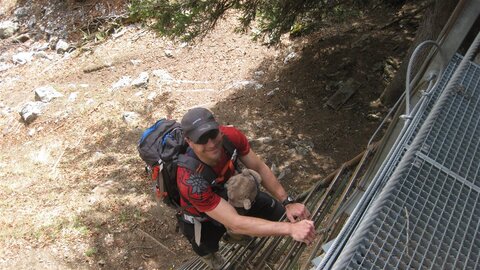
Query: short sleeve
point(238, 139)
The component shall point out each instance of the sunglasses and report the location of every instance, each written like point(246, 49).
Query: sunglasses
point(212, 134)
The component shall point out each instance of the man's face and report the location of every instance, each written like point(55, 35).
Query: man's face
point(209, 147)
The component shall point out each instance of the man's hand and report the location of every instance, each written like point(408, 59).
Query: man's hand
point(303, 231)
point(296, 211)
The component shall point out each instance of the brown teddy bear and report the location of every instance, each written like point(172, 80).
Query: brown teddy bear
point(242, 189)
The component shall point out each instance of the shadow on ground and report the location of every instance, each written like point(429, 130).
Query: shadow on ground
point(286, 120)
point(308, 138)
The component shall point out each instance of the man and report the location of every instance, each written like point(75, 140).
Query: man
point(206, 208)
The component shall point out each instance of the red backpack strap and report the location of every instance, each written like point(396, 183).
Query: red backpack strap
point(160, 191)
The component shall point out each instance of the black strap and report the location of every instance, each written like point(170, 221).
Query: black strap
point(193, 163)
point(228, 145)
point(230, 148)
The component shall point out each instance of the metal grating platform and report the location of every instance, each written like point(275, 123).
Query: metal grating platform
point(428, 214)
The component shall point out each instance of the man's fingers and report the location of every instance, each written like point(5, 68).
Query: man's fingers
point(309, 239)
point(290, 217)
point(306, 213)
point(304, 231)
point(297, 212)
point(312, 232)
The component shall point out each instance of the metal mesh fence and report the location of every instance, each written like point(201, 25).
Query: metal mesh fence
point(428, 214)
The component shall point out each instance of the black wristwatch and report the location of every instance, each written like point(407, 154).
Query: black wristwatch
point(287, 201)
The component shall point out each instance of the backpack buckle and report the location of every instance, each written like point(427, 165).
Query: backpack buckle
point(234, 155)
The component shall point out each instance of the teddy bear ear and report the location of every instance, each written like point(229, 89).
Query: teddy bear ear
point(256, 176)
point(247, 204)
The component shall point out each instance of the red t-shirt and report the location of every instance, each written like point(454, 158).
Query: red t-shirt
point(196, 189)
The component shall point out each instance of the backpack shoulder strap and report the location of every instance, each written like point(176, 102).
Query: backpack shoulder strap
point(232, 151)
point(196, 166)
point(229, 146)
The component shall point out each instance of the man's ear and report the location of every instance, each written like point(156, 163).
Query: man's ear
point(256, 176)
point(247, 204)
point(188, 141)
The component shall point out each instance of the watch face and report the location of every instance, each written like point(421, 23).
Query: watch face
point(288, 200)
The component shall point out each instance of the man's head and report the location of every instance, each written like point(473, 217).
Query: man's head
point(202, 133)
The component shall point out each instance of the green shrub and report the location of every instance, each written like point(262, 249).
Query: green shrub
point(188, 19)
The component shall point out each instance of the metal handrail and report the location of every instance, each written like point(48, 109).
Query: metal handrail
point(408, 82)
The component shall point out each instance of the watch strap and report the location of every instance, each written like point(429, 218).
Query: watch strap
point(288, 201)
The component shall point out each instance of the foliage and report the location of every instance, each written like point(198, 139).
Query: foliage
point(91, 251)
point(188, 19)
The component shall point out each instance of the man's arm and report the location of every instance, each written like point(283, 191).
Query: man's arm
point(271, 184)
point(269, 181)
point(303, 231)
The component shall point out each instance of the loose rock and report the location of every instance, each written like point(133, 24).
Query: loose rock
point(303, 147)
point(43, 55)
point(7, 29)
point(374, 116)
point(22, 58)
point(40, 46)
point(31, 110)
point(135, 62)
point(73, 96)
point(130, 117)
point(259, 74)
point(163, 75)
point(245, 85)
point(264, 139)
point(274, 169)
point(20, 12)
point(32, 21)
point(283, 173)
point(61, 46)
point(142, 80)
point(271, 93)
point(151, 96)
point(46, 94)
point(123, 82)
point(290, 57)
point(168, 53)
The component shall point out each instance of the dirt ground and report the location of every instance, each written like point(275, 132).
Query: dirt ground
point(73, 192)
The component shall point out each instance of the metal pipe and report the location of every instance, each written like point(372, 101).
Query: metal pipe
point(317, 209)
point(359, 210)
point(408, 83)
point(327, 180)
point(325, 208)
point(276, 241)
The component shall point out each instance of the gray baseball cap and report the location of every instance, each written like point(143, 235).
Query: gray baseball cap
point(196, 122)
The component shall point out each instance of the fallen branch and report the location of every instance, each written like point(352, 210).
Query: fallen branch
point(155, 240)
